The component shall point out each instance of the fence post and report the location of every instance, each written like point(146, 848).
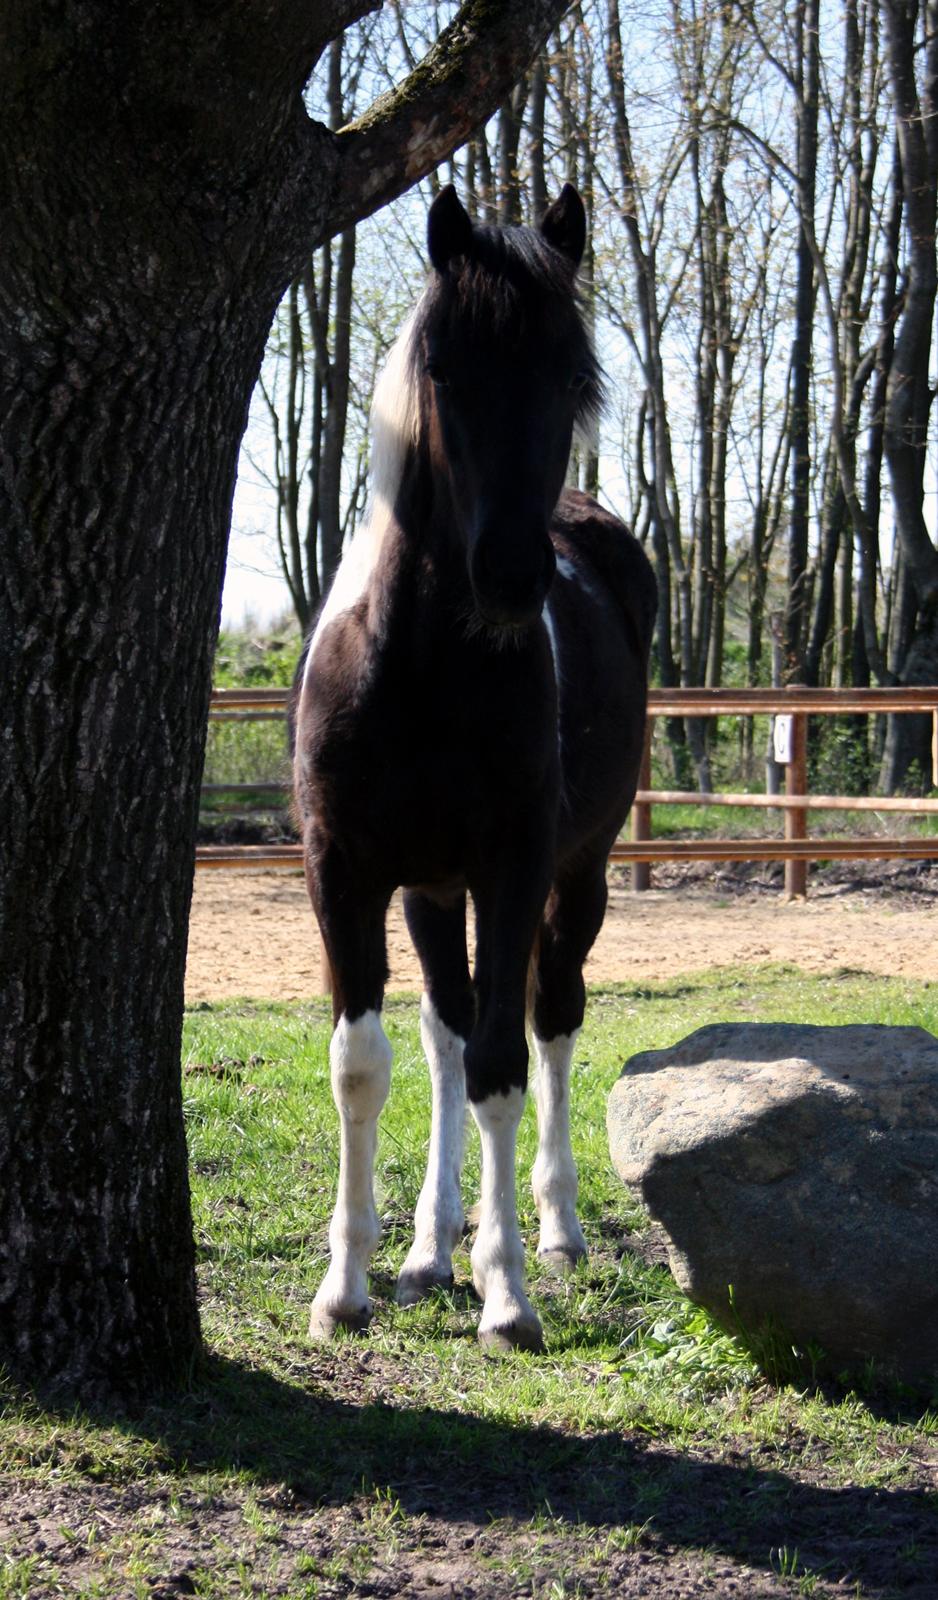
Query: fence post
point(796, 817)
point(641, 812)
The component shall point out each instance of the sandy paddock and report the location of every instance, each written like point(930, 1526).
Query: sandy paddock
point(252, 933)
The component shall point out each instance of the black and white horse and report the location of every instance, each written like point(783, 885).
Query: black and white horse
point(470, 719)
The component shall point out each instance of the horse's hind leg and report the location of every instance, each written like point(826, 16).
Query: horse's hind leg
point(447, 1010)
point(572, 919)
point(360, 1070)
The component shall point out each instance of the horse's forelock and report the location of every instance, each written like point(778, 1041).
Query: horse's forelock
point(521, 259)
point(513, 279)
point(509, 270)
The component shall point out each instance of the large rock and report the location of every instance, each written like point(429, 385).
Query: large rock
point(798, 1165)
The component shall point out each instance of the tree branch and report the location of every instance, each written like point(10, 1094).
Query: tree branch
point(462, 80)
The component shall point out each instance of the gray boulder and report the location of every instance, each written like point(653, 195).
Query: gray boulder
point(798, 1165)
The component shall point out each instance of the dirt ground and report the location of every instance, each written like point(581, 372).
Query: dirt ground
point(252, 933)
point(541, 1514)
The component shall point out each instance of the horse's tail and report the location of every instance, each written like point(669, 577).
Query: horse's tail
point(326, 977)
point(293, 704)
point(530, 988)
point(293, 699)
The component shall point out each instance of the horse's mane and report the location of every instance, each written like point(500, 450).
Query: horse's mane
point(394, 422)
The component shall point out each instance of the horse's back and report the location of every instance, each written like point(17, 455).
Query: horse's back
point(601, 615)
point(581, 526)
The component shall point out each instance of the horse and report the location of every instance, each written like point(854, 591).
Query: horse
point(468, 721)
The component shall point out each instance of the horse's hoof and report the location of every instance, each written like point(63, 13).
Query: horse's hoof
point(513, 1336)
point(414, 1286)
point(325, 1323)
point(562, 1259)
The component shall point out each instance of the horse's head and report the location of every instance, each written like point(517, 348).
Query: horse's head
point(507, 367)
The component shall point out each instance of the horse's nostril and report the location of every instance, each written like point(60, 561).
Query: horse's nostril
point(511, 583)
point(482, 567)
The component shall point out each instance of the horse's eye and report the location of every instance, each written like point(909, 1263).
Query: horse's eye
point(579, 381)
point(436, 372)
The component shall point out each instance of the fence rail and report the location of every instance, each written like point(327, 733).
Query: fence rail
point(796, 849)
point(678, 702)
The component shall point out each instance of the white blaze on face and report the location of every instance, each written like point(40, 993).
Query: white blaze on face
point(439, 1216)
point(393, 428)
point(554, 1178)
point(360, 1062)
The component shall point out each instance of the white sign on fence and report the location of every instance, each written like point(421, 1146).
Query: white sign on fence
point(783, 737)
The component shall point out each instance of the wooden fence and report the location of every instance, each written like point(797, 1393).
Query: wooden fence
point(796, 849)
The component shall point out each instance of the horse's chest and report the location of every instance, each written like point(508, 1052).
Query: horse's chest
point(431, 772)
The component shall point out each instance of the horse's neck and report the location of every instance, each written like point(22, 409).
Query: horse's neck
point(420, 570)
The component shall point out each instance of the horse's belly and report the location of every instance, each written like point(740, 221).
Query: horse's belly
point(432, 819)
point(447, 830)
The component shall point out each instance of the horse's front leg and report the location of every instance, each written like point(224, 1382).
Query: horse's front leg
point(496, 1057)
point(447, 1012)
point(572, 919)
point(360, 1069)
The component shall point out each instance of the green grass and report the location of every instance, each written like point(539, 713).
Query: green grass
point(744, 822)
point(257, 657)
point(247, 752)
point(301, 1470)
point(252, 751)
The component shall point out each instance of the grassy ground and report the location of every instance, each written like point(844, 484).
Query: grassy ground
point(644, 1454)
point(744, 822)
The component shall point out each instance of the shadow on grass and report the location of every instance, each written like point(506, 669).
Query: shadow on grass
point(457, 1467)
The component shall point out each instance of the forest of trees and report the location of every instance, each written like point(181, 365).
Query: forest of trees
point(760, 182)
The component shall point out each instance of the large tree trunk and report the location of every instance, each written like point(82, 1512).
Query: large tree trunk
point(160, 185)
point(115, 530)
point(128, 350)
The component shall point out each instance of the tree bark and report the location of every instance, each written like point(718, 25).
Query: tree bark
point(112, 573)
point(160, 185)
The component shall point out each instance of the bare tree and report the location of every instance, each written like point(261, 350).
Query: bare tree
point(912, 40)
point(854, 134)
point(805, 84)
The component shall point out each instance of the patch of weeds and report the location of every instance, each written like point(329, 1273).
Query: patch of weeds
point(677, 1349)
point(786, 1562)
point(18, 1576)
point(386, 1519)
point(630, 1536)
point(258, 1520)
point(775, 1353)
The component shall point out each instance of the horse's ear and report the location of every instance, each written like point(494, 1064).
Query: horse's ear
point(564, 224)
point(449, 229)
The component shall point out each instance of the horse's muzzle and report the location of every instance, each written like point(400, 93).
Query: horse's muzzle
point(511, 586)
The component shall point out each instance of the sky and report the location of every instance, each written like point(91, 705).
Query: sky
point(254, 586)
